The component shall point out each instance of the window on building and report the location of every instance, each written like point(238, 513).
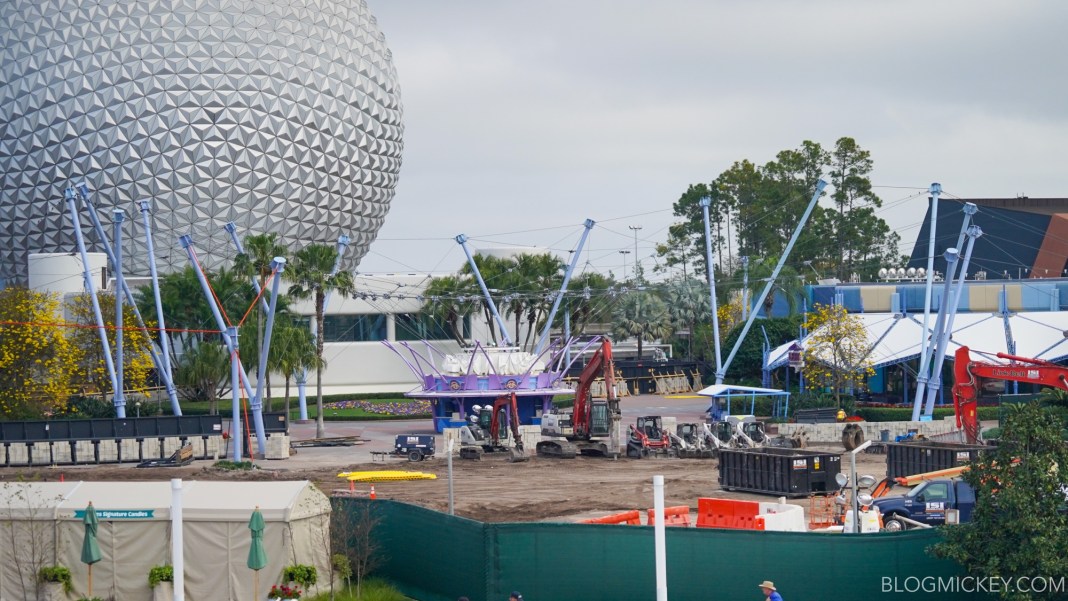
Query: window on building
point(354, 328)
point(419, 326)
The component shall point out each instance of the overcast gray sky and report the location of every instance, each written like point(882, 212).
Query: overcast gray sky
point(522, 119)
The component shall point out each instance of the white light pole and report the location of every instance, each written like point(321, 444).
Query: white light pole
point(624, 253)
point(853, 481)
point(635, 228)
point(659, 539)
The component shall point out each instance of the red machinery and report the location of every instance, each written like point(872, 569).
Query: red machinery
point(648, 436)
point(483, 434)
point(590, 418)
point(507, 403)
point(968, 378)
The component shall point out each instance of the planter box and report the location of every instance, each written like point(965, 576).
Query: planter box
point(164, 591)
point(53, 591)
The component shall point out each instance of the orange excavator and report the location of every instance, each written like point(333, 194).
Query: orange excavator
point(565, 435)
point(968, 379)
point(483, 434)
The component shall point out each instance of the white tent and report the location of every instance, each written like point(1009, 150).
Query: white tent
point(896, 338)
point(41, 524)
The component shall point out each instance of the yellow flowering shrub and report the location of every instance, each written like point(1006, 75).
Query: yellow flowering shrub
point(837, 352)
point(92, 372)
point(37, 358)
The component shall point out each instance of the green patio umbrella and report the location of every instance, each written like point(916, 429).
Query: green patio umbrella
point(257, 555)
point(90, 549)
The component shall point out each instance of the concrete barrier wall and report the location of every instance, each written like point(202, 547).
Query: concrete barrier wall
point(125, 450)
point(783, 517)
point(872, 430)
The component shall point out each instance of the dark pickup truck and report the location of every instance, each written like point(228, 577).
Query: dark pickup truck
point(927, 503)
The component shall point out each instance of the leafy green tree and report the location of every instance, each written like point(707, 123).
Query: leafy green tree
point(678, 252)
point(203, 373)
point(748, 363)
point(1019, 527)
point(310, 273)
point(863, 240)
point(837, 352)
point(785, 190)
point(92, 369)
point(760, 207)
point(686, 239)
point(187, 313)
point(643, 315)
point(37, 358)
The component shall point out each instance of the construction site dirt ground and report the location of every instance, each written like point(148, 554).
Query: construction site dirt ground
point(490, 490)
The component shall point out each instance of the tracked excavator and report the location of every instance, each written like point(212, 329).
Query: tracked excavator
point(591, 421)
point(968, 379)
point(483, 434)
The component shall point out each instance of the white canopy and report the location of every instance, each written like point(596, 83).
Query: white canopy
point(896, 338)
point(717, 390)
point(135, 528)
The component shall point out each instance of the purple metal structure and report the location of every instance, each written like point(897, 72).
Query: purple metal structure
point(455, 383)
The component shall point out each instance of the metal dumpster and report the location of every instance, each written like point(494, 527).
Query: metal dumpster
point(911, 458)
point(780, 472)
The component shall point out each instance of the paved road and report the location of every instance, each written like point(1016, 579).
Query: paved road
point(379, 435)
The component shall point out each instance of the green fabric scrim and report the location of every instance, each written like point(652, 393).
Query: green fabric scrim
point(432, 556)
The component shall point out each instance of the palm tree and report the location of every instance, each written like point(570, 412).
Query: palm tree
point(687, 302)
point(496, 273)
point(789, 285)
point(310, 274)
point(260, 251)
point(295, 349)
point(203, 373)
point(593, 310)
point(539, 275)
point(443, 302)
point(642, 315)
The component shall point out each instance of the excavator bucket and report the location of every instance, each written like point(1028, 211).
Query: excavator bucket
point(517, 455)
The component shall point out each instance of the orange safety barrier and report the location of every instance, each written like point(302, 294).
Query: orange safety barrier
point(633, 518)
point(728, 513)
point(673, 516)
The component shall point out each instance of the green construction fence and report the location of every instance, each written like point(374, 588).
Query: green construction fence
point(432, 556)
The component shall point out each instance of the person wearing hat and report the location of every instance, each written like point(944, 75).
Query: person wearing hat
point(515, 596)
point(769, 591)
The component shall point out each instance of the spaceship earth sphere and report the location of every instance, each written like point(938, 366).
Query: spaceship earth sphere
point(281, 116)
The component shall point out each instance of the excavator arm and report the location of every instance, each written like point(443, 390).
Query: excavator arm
point(968, 379)
point(509, 403)
point(600, 364)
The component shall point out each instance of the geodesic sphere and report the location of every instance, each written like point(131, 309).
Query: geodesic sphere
point(278, 115)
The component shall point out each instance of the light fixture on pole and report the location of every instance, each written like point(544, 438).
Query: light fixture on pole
point(635, 228)
point(624, 253)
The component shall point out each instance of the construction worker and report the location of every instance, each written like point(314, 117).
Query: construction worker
point(769, 591)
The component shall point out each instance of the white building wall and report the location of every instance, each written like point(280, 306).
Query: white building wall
point(371, 366)
point(62, 273)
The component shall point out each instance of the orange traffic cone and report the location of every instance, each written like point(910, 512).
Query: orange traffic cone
point(373, 496)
